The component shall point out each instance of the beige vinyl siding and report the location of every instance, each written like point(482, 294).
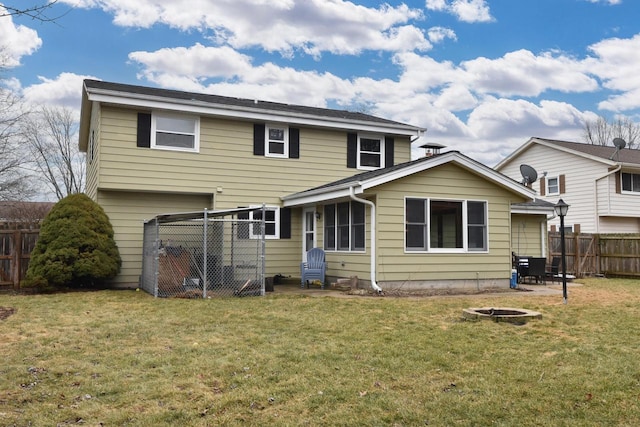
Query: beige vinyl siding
point(527, 235)
point(225, 160)
point(444, 182)
point(621, 205)
point(91, 188)
point(127, 212)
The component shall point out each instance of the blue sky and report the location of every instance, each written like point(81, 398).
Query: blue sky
point(481, 75)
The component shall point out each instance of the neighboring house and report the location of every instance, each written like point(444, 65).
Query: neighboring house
point(601, 184)
point(338, 180)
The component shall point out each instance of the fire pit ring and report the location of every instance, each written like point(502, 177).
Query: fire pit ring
point(500, 314)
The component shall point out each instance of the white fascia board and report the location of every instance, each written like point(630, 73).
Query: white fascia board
point(513, 155)
point(532, 210)
point(462, 161)
point(317, 197)
point(203, 108)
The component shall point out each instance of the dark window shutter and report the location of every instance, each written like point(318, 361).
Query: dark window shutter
point(352, 150)
point(618, 182)
point(258, 139)
point(144, 130)
point(388, 151)
point(294, 143)
point(285, 223)
point(543, 186)
point(243, 227)
point(562, 185)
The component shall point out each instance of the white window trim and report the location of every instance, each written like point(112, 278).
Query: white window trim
point(465, 227)
point(196, 133)
point(622, 190)
point(276, 209)
point(549, 192)
point(267, 153)
point(354, 251)
point(382, 151)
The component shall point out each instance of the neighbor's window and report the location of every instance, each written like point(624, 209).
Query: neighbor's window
point(370, 152)
point(276, 141)
point(433, 225)
point(344, 227)
point(631, 182)
point(553, 186)
point(175, 132)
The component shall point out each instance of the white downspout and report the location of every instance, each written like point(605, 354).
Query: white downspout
point(372, 205)
point(595, 192)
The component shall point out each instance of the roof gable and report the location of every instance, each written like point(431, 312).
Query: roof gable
point(370, 179)
point(598, 153)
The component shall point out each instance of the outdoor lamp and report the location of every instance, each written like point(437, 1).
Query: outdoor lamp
point(561, 209)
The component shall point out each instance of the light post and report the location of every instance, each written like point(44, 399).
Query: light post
point(561, 209)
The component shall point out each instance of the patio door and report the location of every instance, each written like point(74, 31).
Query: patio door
point(308, 231)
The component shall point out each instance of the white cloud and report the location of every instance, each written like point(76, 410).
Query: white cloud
point(63, 91)
point(285, 26)
point(464, 10)
point(439, 34)
point(616, 63)
point(16, 41)
point(521, 73)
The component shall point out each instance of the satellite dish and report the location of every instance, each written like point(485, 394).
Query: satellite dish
point(529, 174)
point(619, 144)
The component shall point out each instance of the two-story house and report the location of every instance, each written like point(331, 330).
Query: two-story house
point(443, 220)
point(601, 184)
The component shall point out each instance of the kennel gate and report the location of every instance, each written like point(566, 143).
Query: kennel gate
point(205, 254)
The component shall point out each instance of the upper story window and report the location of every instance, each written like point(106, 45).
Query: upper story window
point(175, 132)
point(631, 182)
point(276, 141)
point(553, 186)
point(445, 225)
point(370, 152)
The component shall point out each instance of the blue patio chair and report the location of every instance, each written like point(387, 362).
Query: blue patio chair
point(314, 268)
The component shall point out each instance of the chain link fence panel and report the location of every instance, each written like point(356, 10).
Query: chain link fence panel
point(204, 255)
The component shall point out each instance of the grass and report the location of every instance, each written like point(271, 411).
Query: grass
point(125, 358)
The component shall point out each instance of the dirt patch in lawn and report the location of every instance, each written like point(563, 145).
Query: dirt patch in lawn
point(6, 312)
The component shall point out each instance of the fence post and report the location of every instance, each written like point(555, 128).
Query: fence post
point(577, 265)
point(17, 254)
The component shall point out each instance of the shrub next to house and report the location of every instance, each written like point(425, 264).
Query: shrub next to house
point(75, 247)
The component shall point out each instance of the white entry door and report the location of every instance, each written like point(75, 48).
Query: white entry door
point(308, 231)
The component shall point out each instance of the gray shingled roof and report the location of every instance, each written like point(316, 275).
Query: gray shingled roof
point(239, 102)
point(625, 155)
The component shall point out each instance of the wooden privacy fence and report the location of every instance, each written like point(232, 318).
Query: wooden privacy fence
point(15, 251)
point(595, 254)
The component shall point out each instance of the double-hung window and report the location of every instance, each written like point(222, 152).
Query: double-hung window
point(276, 141)
point(370, 152)
point(344, 227)
point(631, 182)
point(445, 225)
point(553, 186)
point(175, 132)
point(250, 223)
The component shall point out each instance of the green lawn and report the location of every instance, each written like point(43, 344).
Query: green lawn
point(124, 358)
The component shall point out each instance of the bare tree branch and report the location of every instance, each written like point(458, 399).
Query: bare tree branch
point(36, 12)
point(602, 132)
point(51, 135)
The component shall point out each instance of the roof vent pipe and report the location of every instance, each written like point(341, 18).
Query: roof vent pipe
point(374, 285)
